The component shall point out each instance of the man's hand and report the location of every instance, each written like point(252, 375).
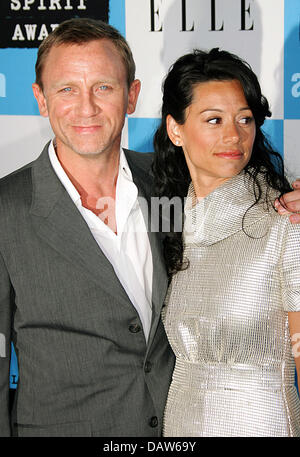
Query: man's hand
point(290, 203)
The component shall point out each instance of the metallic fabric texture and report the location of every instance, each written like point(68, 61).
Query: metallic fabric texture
point(226, 318)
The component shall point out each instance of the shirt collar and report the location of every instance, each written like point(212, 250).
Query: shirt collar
point(65, 180)
point(123, 166)
point(62, 175)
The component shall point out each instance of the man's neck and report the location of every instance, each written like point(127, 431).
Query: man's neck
point(95, 179)
point(91, 174)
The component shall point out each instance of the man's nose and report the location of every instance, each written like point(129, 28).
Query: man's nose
point(87, 106)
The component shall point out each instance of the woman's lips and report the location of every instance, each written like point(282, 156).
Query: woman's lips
point(230, 154)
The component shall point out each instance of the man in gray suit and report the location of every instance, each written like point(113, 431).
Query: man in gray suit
point(82, 282)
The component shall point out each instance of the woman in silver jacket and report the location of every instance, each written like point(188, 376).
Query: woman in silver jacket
point(232, 309)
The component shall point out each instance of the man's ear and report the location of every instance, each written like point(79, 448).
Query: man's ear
point(41, 100)
point(133, 94)
point(173, 130)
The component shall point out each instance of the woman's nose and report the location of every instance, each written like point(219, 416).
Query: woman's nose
point(231, 133)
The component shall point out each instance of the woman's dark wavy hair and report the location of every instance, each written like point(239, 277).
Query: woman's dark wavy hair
point(171, 173)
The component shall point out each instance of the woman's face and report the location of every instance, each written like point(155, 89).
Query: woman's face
point(218, 133)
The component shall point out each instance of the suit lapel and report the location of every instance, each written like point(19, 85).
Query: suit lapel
point(59, 223)
point(160, 281)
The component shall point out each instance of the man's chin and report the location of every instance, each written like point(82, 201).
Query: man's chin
point(89, 153)
point(86, 151)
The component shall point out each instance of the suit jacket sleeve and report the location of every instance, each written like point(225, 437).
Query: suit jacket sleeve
point(5, 347)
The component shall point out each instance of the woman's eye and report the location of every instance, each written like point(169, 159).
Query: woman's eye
point(214, 120)
point(246, 120)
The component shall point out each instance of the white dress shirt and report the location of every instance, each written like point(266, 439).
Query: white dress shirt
point(129, 250)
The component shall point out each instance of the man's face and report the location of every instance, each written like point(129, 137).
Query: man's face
point(86, 96)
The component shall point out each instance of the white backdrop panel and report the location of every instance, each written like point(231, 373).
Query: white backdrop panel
point(155, 51)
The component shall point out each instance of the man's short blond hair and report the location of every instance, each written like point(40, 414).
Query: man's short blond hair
point(80, 31)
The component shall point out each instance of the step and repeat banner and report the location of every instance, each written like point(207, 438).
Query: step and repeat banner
point(264, 32)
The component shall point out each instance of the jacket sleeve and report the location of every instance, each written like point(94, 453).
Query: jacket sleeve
point(290, 267)
point(5, 347)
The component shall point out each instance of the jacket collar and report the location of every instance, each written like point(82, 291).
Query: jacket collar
point(160, 279)
point(226, 211)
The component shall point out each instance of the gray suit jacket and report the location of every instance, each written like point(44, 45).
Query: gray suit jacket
point(84, 366)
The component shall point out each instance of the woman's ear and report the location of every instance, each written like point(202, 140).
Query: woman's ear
point(173, 129)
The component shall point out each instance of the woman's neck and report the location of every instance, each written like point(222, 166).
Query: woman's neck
point(204, 185)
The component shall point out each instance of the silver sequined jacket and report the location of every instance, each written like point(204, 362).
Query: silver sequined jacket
point(226, 319)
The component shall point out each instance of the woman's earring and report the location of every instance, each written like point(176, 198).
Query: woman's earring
point(177, 143)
